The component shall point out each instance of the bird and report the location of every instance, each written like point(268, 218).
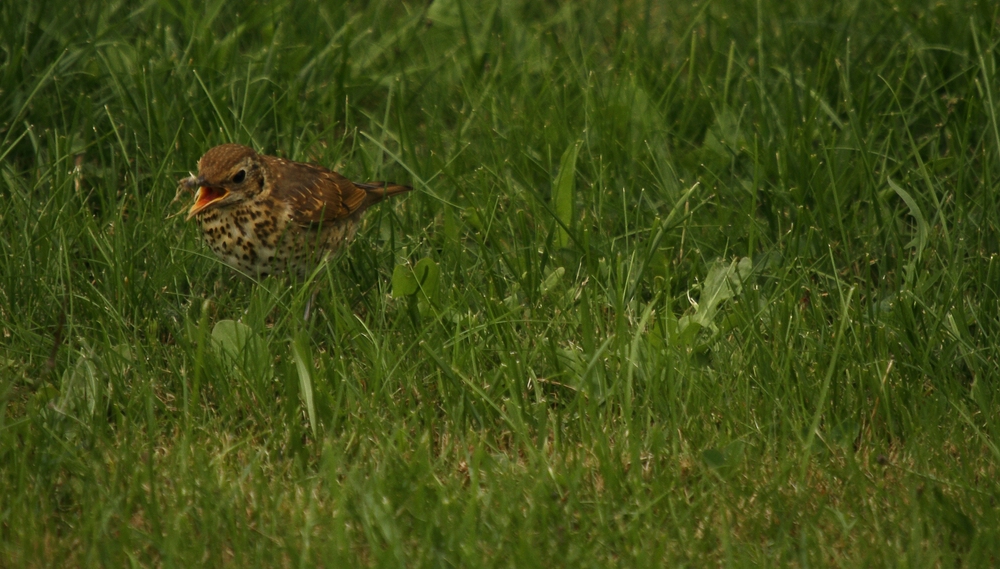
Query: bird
point(265, 215)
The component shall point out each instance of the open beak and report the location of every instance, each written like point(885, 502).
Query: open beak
point(205, 197)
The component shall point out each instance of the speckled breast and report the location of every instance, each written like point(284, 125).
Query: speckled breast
point(259, 239)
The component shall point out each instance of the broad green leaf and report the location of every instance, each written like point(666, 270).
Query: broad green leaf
point(300, 353)
point(724, 281)
point(451, 227)
point(563, 193)
point(444, 13)
point(240, 346)
point(424, 277)
point(725, 136)
point(43, 397)
point(79, 387)
point(734, 452)
point(687, 330)
point(844, 433)
point(230, 337)
point(714, 458)
point(473, 218)
point(404, 283)
point(729, 456)
point(551, 280)
point(427, 275)
point(920, 240)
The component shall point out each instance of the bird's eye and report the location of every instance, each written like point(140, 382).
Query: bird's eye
point(239, 176)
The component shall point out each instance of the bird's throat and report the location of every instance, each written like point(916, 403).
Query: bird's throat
point(206, 196)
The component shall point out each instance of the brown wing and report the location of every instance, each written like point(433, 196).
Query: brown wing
point(317, 195)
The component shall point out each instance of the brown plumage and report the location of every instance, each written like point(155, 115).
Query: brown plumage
point(262, 215)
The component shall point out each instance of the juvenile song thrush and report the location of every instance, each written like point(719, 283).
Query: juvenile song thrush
point(265, 215)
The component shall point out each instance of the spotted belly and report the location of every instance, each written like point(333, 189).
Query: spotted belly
point(261, 244)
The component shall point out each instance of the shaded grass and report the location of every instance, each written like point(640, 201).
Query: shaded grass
point(577, 405)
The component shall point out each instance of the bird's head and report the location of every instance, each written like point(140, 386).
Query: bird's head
point(227, 175)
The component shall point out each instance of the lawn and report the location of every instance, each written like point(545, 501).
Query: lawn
point(708, 283)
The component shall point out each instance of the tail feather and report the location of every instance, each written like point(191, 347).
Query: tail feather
point(378, 191)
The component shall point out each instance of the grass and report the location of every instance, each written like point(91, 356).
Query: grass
point(681, 284)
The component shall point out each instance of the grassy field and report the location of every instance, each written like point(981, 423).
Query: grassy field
point(680, 284)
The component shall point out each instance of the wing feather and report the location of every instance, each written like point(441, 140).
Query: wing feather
point(316, 194)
